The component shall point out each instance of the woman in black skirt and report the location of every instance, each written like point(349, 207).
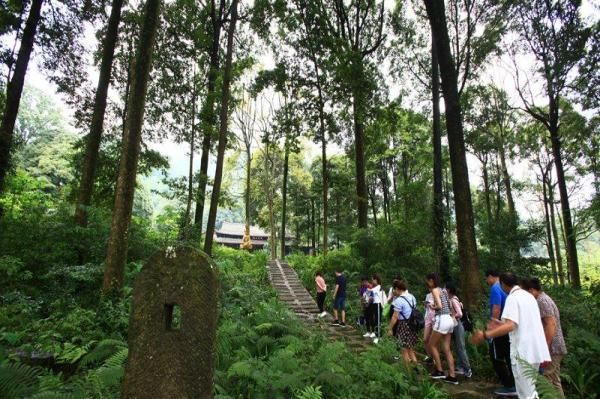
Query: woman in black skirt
point(403, 306)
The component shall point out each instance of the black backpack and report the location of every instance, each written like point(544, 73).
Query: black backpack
point(416, 321)
point(467, 321)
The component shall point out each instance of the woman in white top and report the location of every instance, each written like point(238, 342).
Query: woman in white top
point(376, 300)
point(443, 325)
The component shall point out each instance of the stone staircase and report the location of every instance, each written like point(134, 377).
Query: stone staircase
point(291, 292)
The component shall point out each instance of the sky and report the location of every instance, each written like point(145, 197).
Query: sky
point(499, 72)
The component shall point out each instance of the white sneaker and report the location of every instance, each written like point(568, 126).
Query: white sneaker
point(372, 335)
point(367, 335)
point(323, 314)
point(376, 341)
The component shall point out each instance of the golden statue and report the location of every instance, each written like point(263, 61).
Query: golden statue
point(246, 241)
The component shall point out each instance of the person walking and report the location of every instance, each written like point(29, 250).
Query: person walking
point(363, 294)
point(403, 305)
point(443, 324)
point(429, 316)
point(321, 292)
point(499, 347)
point(458, 334)
point(339, 298)
point(552, 330)
point(376, 299)
point(521, 320)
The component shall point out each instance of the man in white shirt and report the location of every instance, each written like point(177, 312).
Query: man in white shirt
point(521, 320)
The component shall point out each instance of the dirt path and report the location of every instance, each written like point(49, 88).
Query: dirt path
point(290, 290)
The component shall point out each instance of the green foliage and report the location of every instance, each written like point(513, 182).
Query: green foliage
point(309, 392)
point(264, 351)
point(544, 388)
point(17, 380)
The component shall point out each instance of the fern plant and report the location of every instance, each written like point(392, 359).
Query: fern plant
point(102, 351)
point(544, 388)
point(18, 380)
point(109, 375)
point(582, 380)
point(309, 392)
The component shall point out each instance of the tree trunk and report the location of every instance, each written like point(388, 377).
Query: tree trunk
point(564, 240)
point(549, 243)
point(571, 242)
point(507, 185)
point(358, 105)
point(247, 193)
point(498, 193)
point(318, 216)
point(223, 118)
point(90, 160)
point(561, 272)
point(373, 206)
point(127, 88)
point(385, 190)
point(208, 113)
point(14, 90)
point(286, 160)
point(465, 226)
point(439, 247)
point(486, 189)
point(337, 221)
point(312, 227)
point(116, 252)
point(324, 179)
point(325, 190)
point(272, 238)
point(405, 182)
point(188, 208)
point(595, 165)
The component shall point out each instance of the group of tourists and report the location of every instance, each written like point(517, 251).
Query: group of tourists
point(523, 331)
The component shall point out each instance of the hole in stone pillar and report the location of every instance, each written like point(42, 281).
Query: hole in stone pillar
point(172, 317)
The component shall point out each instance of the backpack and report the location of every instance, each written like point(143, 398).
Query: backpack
point(467, 321)
point(416, 321)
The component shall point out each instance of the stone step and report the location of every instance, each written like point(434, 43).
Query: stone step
point(307, 302)
point(299, 300)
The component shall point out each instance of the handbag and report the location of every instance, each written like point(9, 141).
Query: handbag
point(387, 310)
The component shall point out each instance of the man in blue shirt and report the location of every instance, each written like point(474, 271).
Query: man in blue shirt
point(500, 346)
point(339, 298)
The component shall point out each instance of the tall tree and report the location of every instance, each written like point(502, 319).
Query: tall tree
point(116, 252)
point(291, 131)
point(465, 226)
point(14, 90)
point(223, 120)
point(355, 33)
point(544, 170)
point(245, 119)
point(311, 33)
point(192, 138)
point(439, 247)
point(94, 136)
point(207, 115)
point(556, 36)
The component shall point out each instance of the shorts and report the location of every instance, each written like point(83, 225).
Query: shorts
point(443, 324)
point(339, 303)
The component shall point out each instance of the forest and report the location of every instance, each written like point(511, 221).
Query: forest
point(391, 137)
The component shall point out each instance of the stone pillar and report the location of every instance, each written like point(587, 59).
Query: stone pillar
point(172, 327)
